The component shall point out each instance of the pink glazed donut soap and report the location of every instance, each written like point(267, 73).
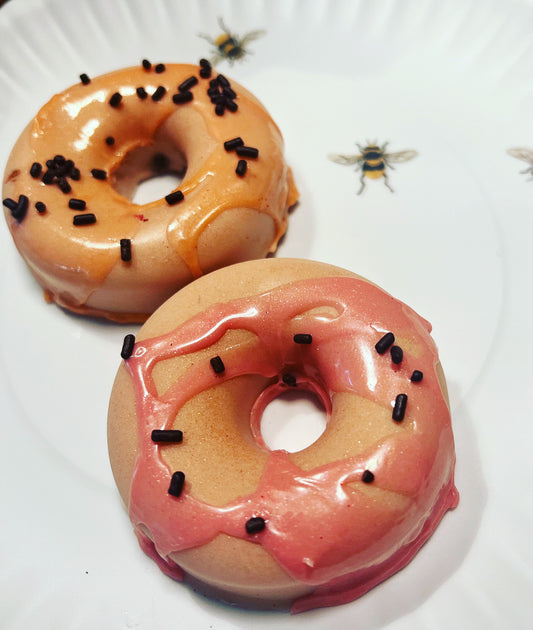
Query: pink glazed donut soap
point(211, 502)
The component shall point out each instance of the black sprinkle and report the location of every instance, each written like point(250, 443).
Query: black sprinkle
point(20, 211)
point(221, 80)
point(167, 435)
point(146, 64)
point(10, 204)
point(98, 173)
point(417, 376)
point(205, 63)
point(217, 364)
point(127, 346)
point(115, 100)
point(174, 197)
point(84, 219)
point(159, 93)
point(176, 484)
point(160, 68)
point(182, 97)
point(396, 354)
point(232, 106)
point(48, 177)
point(242, 165)
point(214, 93)
point(110, 141)
point(125, 249)
point(384, 343)
point(59, 160)
point(229, 93)
point(205, 72)
point(186, 85)
point(231, 145)
point(63, 184)
point(18, 208)
point(367, 476)
point(249, 152)
point(84, 78)
point(255, 525)
point(221, 95)
point(303, 338)
point(398, 413)
point(217, 99)
point(141, 93)
point(40, 207)
point(77, 204)
point(75, 173)
point(289, 379)
point(36, 169)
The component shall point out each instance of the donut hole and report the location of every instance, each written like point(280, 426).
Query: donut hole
point(156, 187)
point(150, 172)
point(293, 420)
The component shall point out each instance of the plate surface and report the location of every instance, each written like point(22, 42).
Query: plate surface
point(451, 80)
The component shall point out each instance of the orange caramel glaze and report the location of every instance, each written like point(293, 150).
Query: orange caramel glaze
point(223, 218)
point(333, 535)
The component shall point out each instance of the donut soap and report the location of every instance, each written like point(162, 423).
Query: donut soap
point(211, 502)
point(71, 177)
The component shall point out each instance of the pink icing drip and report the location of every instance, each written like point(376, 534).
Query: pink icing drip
point(322, 532)
point(353, 585)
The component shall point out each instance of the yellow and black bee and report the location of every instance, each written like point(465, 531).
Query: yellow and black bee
point(526, 155)
point(373, 161)
point(230, 46)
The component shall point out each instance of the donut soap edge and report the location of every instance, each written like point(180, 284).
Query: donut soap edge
point(69, 175)
point(336, 518)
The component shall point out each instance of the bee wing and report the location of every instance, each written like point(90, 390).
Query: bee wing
point(401, 156)
point(207, 38)
point(251, 36)
point(526, 155)
point(347, 160)
point(222, 25)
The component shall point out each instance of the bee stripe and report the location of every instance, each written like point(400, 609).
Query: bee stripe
point(372, 155)
point(372, 167)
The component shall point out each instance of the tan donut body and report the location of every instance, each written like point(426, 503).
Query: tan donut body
point(337, 517)
point(223, 218)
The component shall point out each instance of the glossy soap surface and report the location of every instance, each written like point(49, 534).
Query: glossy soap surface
point(80, 266)
point(324, 525)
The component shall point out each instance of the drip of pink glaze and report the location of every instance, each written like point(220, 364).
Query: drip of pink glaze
point(352, 586)
point(166, 565)
point(320, 530)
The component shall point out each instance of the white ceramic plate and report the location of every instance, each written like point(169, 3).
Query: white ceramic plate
point(450, 79)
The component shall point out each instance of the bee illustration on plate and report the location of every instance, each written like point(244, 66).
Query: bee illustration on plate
point(230, 46)
point(526, 155)
point(373, 160)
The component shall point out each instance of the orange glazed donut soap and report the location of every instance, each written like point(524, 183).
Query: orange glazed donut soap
point(207, 497)
point(72, 174)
